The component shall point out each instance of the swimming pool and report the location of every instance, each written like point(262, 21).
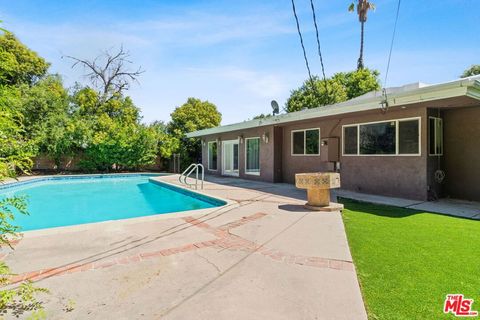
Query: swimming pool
point(65, 201)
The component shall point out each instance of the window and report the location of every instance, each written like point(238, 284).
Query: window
point(393, 137)
point(435, 128)
point(350, 137)
point(408, 137)
point(306, 142)
point(377, 138)
point(212, 155)
point(252, 154)
point(235, 157)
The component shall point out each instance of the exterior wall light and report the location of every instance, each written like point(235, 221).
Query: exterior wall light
point(265, 137)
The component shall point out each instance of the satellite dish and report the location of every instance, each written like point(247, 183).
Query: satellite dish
point(275, 107)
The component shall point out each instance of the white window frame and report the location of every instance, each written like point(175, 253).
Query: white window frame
point(246, 170)
point(397, 146)
point(430, 132)
point(304, 143)
point(208, 155)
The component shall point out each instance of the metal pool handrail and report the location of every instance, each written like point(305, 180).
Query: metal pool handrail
point(186, 174)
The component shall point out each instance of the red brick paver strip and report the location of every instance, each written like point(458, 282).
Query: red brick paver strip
point(225, 240)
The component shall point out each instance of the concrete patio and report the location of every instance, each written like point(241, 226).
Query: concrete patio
point(260, 257)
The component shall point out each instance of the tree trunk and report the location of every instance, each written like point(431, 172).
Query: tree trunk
point(360, 58)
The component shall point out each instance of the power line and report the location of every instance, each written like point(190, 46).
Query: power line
point(384, 103)
point(319, 50)
point(391, 44)
point(303, 48)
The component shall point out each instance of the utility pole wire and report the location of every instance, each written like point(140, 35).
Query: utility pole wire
point(314, 88)
point(391, 44)
point(320, 51)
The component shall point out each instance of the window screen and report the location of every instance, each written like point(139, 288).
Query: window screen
point(350, 140)
point(253, 155)
point(306, 142)
point(212, 156)
point(408, 137)
point(298, 142)
point(378, 138)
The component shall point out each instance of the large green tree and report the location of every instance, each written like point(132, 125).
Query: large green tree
point(167, 143)
point(17, 67)
point(40, 99)
point(113, 137)
point(117, 145)
point(472, 71)
point(19, 64)
point(193, 115)
point(109, 133)
point(341, 87)
point(16, 151)
point(15, 156)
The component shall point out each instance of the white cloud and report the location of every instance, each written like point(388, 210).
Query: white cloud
point(261, 84)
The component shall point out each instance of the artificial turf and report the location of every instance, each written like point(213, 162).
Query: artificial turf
point(407, 261)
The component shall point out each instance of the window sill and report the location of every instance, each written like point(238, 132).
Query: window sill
point(381, 155)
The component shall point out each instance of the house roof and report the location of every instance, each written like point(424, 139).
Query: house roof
point(396, 96)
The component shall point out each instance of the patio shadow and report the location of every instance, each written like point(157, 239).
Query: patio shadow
point(386, 210)
point(293, 208)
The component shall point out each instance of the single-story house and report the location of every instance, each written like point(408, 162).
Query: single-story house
point(417, 141)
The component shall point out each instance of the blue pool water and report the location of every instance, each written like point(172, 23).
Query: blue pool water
point(65, 201)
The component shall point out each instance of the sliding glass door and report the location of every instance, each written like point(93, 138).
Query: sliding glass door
point(230, 157)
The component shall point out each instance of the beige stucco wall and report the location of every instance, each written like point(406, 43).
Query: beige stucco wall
point(402, 176)
point(266, 152)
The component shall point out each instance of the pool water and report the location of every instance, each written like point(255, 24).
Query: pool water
point(56, 202)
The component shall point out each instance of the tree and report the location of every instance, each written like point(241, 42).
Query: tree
point(341, 87)
point(357, 83)
point(262, 116)
point(306, 98)
point(109, 73)
point(46, 98)
point(194, 115)
point(114, 138)
point(19, 64)
point(472, 71)
point(167, 143)
point(117, 145)
point(15, 151)
point(1, 29)
point(191, 116)
point(362, 9)
point(55, 137)
point(15, 156)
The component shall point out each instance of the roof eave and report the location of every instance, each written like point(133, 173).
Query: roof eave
point(463, 87)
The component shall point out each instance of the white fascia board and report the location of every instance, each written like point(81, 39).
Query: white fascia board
point(474, 90)
point(462, 87)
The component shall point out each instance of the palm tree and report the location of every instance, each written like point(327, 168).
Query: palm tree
point(362, 8)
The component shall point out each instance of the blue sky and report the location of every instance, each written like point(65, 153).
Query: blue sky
point(242, 54)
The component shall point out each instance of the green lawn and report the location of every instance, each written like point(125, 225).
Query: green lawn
point(407, 260)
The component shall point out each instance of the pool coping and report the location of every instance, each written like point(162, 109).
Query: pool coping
point(25, 180)
point(102, 225)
